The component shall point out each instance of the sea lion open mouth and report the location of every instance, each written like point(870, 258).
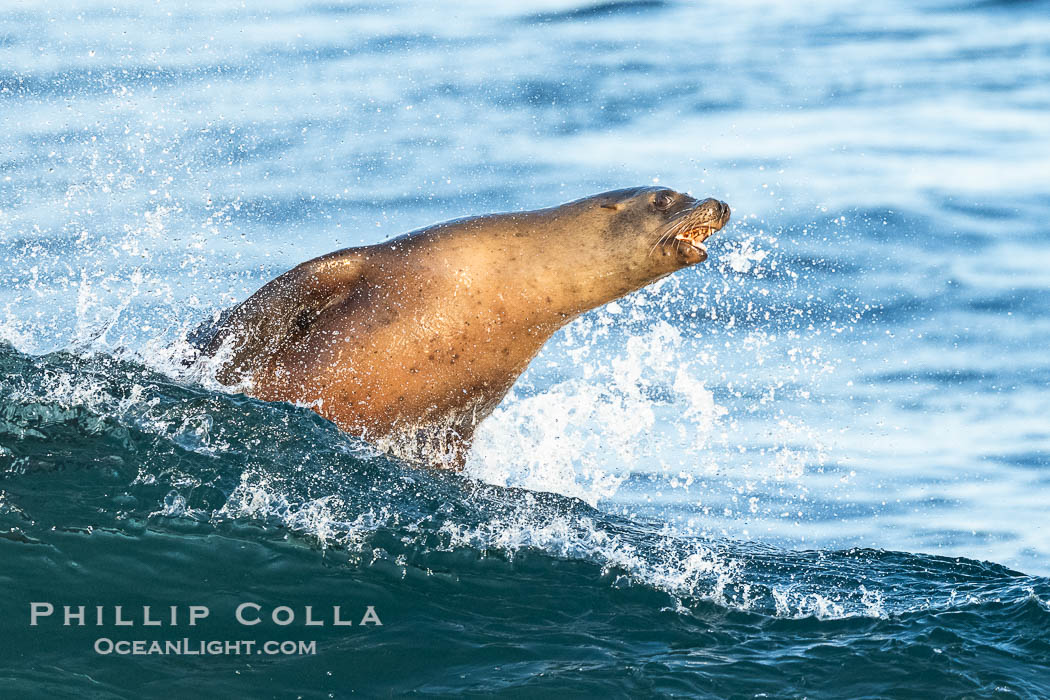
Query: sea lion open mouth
point(686, 234)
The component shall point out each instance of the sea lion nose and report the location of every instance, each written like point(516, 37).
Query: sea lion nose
point(711, 208)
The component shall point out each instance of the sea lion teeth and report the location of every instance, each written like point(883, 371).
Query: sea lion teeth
point(698, 234)
point(486, 293)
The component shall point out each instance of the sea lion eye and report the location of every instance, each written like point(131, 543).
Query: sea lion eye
point(663, 200)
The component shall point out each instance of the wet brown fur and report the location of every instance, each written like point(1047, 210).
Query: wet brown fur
point(412, 342)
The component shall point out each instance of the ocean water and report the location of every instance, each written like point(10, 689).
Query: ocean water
point(817, 465)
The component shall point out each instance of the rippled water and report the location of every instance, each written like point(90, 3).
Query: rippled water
point(787, 471)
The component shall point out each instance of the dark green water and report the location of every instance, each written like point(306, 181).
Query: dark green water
point(119, 486)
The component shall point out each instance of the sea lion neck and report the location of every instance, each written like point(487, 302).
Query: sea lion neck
point(545, 266)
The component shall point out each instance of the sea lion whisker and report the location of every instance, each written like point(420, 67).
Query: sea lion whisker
point(668, 231)
point(659, 241)
point(674, 229)
point(660, 235)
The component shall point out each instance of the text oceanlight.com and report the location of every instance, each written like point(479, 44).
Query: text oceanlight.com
point(188, 647)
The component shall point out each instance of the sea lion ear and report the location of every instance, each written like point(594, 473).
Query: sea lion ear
point(615, 206)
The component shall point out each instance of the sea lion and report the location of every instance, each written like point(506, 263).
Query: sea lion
point(412, 342)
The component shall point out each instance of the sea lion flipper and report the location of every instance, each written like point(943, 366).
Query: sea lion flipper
point(254, 331)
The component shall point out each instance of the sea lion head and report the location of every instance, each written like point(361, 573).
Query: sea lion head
point(667, 227)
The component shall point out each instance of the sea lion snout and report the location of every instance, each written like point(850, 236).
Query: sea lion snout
point(712, 210)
